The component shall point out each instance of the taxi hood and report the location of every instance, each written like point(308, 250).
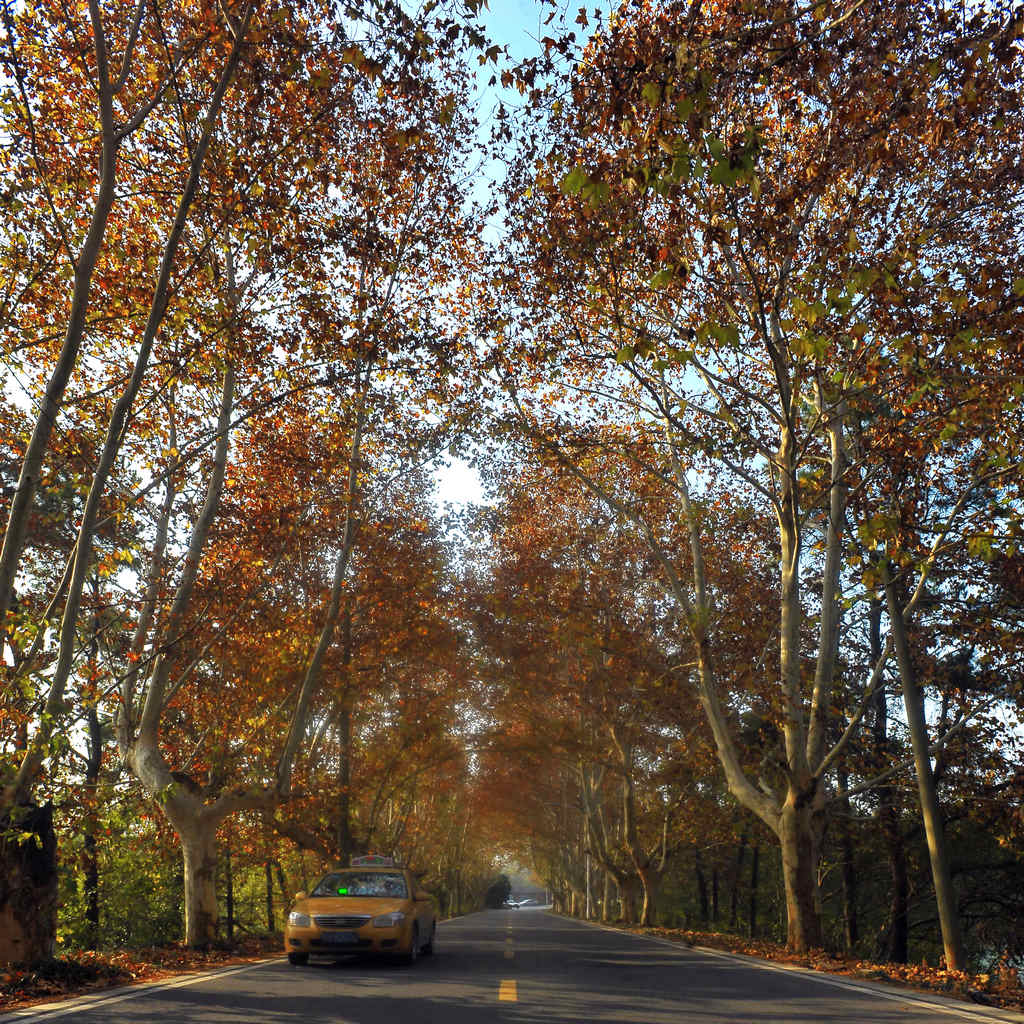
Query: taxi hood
point(374, 906)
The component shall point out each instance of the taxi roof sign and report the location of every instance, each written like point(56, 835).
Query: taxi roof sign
point(373, 860)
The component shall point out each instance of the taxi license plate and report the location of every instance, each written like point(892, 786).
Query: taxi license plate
point(339, 938)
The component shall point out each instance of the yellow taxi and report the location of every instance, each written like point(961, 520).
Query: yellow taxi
point(373, 906)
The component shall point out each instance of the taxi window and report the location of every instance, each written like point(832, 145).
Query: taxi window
point(363, 883)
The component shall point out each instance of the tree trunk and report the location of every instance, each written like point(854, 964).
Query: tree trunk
point(800, 875)
point(734, 896)
point(199, 850)
point(229, 893)
point(795, 829)
point(645, 878)
point(268, 886)
point(53, 397)
point(343, 712)
point(344, 784)
point(913, 700)
point(753, 889)
point(606, 901)
point(898, 945)
point(28, 885)
point(91, 879)
point(851, 930)
point(628, 899)
point(650, 882)
point(714, 893)
point(90, 859)
point(282, 884)
point(702, 884)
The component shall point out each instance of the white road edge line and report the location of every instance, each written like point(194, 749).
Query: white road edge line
point(51, 1011)
point(967, 1012)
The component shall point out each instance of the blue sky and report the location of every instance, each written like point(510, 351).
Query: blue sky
point(515, 23)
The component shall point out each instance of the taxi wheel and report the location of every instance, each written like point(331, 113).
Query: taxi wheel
point(414, 946)
point(298, 959)
point(428, 949)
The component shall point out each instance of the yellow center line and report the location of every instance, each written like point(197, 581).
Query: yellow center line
point(507, 991)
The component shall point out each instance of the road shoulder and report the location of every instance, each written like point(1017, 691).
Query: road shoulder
point(948, 1006)
point(62, 1007)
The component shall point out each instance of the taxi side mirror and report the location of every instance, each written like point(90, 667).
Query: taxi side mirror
point(300, 895)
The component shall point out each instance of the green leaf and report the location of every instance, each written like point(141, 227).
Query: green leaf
point(1018, 287)
point(680, 170)
point(624, 354)
point(725, 334)
point(980, 546)
point(661, 278)
point(651, 92)
point(724, 174)
point(573, 182)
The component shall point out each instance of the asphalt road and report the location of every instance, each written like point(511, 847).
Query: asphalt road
point(518, 967)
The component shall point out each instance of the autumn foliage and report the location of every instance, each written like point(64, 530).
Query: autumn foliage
point(735, 342)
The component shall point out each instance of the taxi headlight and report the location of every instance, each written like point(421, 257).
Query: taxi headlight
point(388, 920)
point(299, 920)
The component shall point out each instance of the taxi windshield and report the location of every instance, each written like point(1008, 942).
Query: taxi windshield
point(382, 884)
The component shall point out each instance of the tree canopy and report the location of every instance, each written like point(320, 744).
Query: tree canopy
point(724, 303)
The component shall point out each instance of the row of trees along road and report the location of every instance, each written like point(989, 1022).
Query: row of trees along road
point(602, 772)
point(752, 331)
point(225, 312)
point(767, 268)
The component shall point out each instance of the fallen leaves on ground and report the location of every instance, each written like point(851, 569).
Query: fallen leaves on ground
point(1000, 987)
point(77, 973)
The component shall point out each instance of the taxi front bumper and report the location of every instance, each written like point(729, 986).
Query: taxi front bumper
point(333, 941)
